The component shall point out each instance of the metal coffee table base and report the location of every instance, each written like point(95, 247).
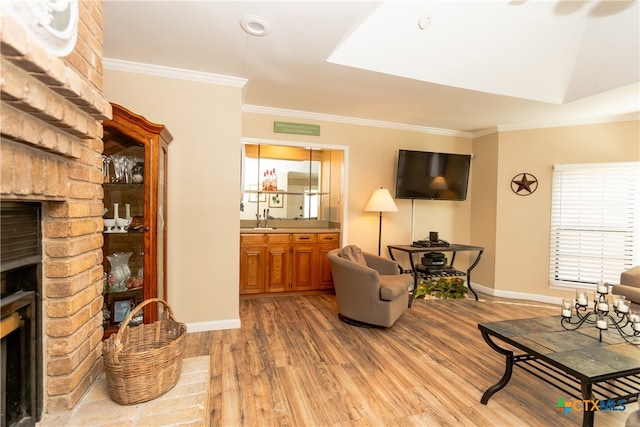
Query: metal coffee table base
point(623, 388)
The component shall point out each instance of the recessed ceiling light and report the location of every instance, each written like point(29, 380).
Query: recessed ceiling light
point(425, 21)
point(255, 25)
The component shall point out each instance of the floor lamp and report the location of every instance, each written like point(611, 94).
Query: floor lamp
point(381, 201)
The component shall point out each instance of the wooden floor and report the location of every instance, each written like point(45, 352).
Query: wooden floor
point(294, 363)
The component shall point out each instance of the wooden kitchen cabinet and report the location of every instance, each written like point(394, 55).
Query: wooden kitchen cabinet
point(252, 261)
point(271, 263)
point(305, 260)
point(264, 263)
point(326, 242)
point(277, 253)
point(135, 180)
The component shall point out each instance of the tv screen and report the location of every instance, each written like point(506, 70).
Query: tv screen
point(432, 176)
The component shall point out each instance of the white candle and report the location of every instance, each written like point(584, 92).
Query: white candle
point(603, 288)
point(582, 300)
point(623, 307)
point(603, 306)
point(635, 318)
point(127, 210)
point(636, 326)
point(601, 324)
point(566, 312)
point(116, 215)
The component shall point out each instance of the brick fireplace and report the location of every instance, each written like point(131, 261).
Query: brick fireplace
point(51, 154)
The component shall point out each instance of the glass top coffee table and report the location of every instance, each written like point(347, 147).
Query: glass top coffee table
point(575, 362)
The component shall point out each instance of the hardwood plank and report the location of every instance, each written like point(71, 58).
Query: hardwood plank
point(294, 363)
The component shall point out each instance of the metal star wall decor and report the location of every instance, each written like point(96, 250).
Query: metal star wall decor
point(524, 184)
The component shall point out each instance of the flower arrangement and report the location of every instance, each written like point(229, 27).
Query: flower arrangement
point(442, 287)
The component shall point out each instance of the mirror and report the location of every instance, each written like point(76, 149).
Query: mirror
point(285, 182)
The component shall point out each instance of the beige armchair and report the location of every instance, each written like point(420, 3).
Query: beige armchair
point(629, 286)
point(370, 289)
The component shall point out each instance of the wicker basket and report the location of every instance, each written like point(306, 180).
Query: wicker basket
point(144, 362)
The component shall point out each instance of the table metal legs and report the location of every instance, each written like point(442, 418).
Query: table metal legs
point(510, 360)
point(508, 370)
point(587, 395)
point(471, 267)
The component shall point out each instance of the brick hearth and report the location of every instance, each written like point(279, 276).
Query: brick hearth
point(185, 405)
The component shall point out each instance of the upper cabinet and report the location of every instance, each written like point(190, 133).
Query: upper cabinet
point(135, 199)
point(288, 182)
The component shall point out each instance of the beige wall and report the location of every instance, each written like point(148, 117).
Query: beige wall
point(204, 178)
point(372, 159)
point(205, 121)
point(207, 124)
point(484, 177)
point(521, 223)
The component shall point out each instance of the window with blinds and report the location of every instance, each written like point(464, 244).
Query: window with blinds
point(595, 222)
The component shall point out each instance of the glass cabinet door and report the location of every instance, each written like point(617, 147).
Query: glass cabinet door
point(123, 248)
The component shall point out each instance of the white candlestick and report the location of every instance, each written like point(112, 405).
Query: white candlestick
point(127, 210)
point(116, 215)
point(601, 324)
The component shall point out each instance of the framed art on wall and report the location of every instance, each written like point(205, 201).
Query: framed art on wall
point(276, 200)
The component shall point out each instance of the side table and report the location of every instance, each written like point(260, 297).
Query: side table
point(448, 270)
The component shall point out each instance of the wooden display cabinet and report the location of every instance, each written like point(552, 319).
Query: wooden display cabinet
point(140, 190)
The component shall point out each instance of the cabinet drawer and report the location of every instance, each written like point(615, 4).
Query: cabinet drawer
point(251, 239)
point(328, 238)
point(304, 238)
point(278, 238)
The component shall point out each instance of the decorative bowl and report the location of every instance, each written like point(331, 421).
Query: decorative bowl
point(109, 223)
point(123, 223)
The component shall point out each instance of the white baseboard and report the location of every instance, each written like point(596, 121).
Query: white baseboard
point(516, 295)
point(216, 325)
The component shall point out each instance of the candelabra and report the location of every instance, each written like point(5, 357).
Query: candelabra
point(607, 312)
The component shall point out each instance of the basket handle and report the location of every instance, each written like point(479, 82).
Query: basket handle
point(125, 323)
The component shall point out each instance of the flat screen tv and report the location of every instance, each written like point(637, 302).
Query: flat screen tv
point(432, 176)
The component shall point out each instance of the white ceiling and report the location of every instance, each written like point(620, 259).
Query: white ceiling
point(477, 64)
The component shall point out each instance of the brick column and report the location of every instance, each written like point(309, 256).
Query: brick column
point(51, 152)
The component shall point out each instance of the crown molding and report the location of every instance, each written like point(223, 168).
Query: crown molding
point(219, 79)
point(352, 120)
point(635, 116)
point(172, 73)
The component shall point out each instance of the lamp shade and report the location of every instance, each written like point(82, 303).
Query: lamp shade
point(381, 201)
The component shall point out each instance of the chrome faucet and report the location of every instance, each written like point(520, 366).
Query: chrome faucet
point(265, 217)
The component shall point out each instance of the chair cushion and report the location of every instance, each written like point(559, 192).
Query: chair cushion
point(394, 286)
point(352, 253)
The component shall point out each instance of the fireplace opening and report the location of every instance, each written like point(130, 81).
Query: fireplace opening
point(20, 307)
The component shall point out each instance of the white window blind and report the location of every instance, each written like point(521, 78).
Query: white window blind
point(594, 222)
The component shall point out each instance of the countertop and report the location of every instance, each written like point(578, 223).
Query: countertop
point(285, 230)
